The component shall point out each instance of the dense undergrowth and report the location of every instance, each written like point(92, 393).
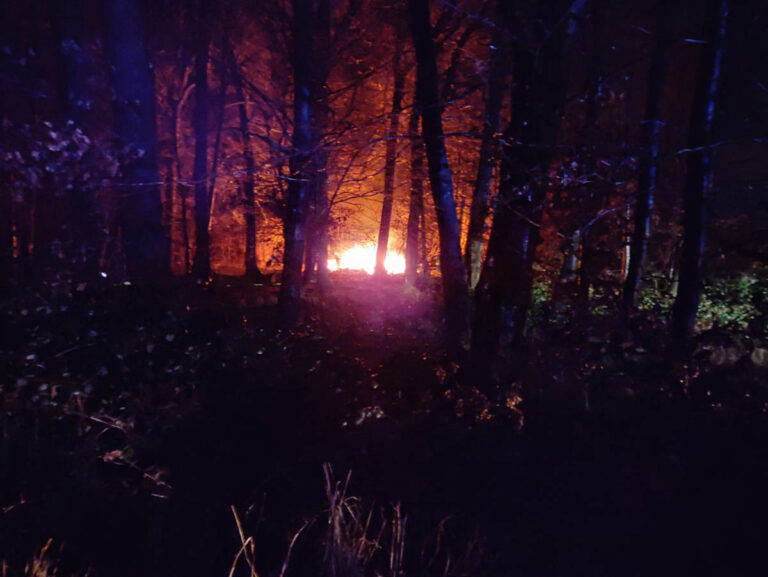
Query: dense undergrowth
point(136, 420)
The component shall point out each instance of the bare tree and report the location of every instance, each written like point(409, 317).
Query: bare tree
point(699, 177)
point(298, 187)
point(538, 97)
point(440, 177)
point(473, 250)
point(202, 263)
point(391, 153)
point(416, 202)
point(649, 160)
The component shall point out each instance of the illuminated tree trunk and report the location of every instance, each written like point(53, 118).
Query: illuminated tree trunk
point(391, 157)
point(248, 180)
point(416, 204)
point(202, 264)
point(298, 186)
point(221, 101)
point(146, 247)
point(181, 189)
point(440, 177)
point(699, 178)
point(649, 162)
point(473, 250)
point(538, 97)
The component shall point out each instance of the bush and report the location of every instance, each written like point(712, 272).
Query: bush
point(735, 302)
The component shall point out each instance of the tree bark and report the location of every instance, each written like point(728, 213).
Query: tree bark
point(649, 162)
point(222, 97)
point(588, 263)
point(202, 263)
point(298, 187)
point(538, 97)
point(319, 219)
point(391, 157)
point(247, 182)
point(452, 266)
point(416, 206)
point(146, 247)
point(699, 179)
point(475, 243)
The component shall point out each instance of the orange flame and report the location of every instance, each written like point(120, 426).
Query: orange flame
point(363, 257)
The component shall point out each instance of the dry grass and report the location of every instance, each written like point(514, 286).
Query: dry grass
point(363, 541)
point(44, 563)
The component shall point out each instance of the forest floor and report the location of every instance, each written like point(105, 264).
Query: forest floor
point(134, 420)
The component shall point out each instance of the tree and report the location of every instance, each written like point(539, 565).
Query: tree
point(416, 202)
point(440, 176)
point(391, 154)
point(248, 179)
point(294, 219)
point(318, 221)
point(541, 74)
point(649, 161)
point(475, 243)
point(202, 263)
point(140, 213)
point(699, 177)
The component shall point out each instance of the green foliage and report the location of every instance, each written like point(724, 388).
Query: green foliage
point(656, 297)
point(542, 290)
point(731, 302)
point(734, 302)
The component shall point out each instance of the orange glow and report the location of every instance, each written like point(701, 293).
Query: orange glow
point(363, 257)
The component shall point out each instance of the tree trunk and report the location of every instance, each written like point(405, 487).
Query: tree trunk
point(502, 294)
point(649, 162)
point(452, 266)
point(222, 97)
point(319, 220)
point(298, 187)
point(146, 247)
point(416, 206)
point(473, 250)
point(202, 264)
point(391, 157)
point(248, 181)
point(699, 179)
point(538, 97)
point(593, 197)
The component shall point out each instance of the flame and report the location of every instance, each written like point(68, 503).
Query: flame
point(363, 257)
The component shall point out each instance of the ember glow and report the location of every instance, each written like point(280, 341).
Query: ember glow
point(363, 257)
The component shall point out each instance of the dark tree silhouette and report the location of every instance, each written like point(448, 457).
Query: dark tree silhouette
point(473, 251)
point(440, 177)
point(316, 250)
point(298, 186)
point(146, 247)
point(699, 177)
point(649, 160)
point(538, 96)
point(75, 103)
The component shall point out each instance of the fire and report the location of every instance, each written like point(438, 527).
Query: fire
point(363, 257)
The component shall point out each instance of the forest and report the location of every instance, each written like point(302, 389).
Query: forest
point(383, 288)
